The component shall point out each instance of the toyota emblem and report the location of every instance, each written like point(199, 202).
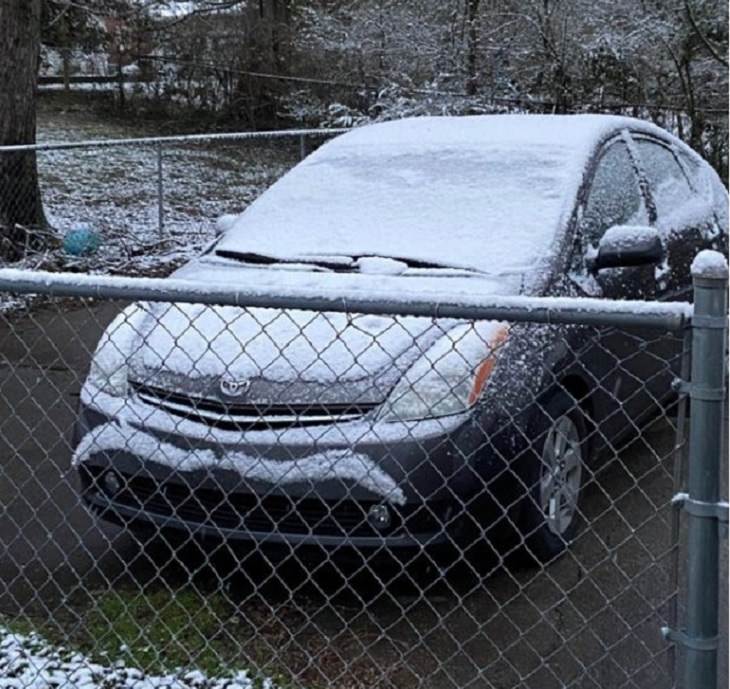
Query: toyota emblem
point(234, 388)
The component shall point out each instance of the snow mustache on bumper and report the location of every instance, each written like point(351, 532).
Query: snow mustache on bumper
point(330, 464)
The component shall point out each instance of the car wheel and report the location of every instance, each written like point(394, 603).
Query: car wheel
point(549, 516)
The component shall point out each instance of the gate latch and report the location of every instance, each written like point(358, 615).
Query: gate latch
point(705, 510)
point(698, 644)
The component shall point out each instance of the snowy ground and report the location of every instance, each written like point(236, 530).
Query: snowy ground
point(114, 191)
point(29, 662)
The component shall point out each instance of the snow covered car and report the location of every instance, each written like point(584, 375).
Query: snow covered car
point(294, 426)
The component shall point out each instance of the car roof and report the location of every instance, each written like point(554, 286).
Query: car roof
point(491, 193)
point(580, 133)
point(574, 131)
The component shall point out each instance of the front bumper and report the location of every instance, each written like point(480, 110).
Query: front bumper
point(167, 506)
point(219, 500)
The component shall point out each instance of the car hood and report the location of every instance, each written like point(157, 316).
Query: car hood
point(281, 356)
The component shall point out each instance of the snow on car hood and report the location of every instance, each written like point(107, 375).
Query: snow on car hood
point(198, 342)
point(289, 356)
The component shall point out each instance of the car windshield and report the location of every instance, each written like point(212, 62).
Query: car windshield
point(489, 206)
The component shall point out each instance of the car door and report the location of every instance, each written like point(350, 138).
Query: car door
point(706, 184)
point(619, 360)
point(614, 197)
point(687, 222)
point(684, 218)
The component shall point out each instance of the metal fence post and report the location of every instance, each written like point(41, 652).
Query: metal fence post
point(160, 192)
point(707, 394)
point(302, 147)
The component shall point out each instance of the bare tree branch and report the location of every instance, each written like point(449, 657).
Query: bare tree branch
point(701, 35)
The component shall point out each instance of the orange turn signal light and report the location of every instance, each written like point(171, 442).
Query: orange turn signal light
point(484, 370)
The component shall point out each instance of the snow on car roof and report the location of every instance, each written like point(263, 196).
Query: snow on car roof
point(488, 193)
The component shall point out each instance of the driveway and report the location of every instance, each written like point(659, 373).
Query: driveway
point(50, 544)
point(591, 619)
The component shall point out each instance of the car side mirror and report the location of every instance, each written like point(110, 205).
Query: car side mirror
point(623, 246)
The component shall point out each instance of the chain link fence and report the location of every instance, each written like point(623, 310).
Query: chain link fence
point(142, 205)
point(217, 487)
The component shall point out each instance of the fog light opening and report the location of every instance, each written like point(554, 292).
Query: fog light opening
point(379, 517)
point(111, 482)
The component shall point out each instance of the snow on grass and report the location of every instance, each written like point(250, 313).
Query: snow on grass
point(127, 638)
point(27, 661)
point(114, 191)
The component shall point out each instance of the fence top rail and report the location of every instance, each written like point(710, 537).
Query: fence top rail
point(468, 306)
point(188, 138)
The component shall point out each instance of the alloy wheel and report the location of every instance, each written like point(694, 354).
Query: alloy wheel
point(560, 479)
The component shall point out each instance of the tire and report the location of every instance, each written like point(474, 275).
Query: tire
point(554, 477)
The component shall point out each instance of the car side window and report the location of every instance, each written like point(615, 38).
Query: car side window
point(693, 168)
point(668, 184)
point(614, 197)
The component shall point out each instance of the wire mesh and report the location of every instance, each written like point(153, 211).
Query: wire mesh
point(216, 496)
point(135, 205)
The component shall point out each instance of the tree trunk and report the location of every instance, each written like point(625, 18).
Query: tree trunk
point(472, 46)
point(120, 84)
point(21, 208)
point(66, 68)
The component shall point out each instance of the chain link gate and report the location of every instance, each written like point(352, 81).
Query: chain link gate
point(216, 487)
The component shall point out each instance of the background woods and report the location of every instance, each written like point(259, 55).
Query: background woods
point(260, 64)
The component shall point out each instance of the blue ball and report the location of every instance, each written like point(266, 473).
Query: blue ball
point(81, 240)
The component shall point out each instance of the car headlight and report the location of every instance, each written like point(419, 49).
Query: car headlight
point(449, 377)
point(110, 363)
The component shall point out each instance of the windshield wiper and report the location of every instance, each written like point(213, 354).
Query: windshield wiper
point(265, 260)
point(336, 262)
point(408, 262)
point(419, 264)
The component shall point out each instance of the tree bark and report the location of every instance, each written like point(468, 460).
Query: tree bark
point(472, 46)
point(21, 208)
point(66, 69)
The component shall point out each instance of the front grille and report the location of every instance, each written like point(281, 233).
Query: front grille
point(264, 514)
point(245, 417)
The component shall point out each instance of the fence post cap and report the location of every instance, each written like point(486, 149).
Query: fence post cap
point(709, 264)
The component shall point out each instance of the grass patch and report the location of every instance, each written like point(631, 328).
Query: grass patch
point(158, 631)
point(23, 627)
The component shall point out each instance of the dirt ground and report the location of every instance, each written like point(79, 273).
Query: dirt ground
point(590, 619)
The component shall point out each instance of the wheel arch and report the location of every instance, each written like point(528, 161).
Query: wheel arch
point(580, 390)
